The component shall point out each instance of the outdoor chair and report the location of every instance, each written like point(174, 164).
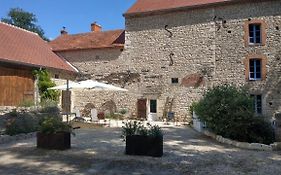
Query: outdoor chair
point(78, 117)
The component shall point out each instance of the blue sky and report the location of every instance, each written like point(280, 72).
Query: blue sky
point(75, 15)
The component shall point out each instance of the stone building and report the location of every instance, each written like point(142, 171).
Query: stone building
point(175, 50)
point(92, 54)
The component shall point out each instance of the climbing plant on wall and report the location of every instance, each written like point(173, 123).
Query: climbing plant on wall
point(44, 82)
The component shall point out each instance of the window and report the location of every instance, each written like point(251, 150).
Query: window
point(175, 80)
point(255, 69)
point(57, 76)
point(257, 103)
point(153, 106)
point(255, 34)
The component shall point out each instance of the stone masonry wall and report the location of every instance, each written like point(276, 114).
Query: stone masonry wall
point(201, 47)
point(153, 41)
point(98, 65)
point(231, 50)
point(148, 53)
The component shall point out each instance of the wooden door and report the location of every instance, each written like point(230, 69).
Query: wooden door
point(141, 108)
point(17, 86)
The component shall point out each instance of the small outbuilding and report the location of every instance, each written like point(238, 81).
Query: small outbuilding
point(21, 52)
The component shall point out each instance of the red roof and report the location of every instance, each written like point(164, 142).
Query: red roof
point(146, 6)
point(90, 40)
point(23, 47)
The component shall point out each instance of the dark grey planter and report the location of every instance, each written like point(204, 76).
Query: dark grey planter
point(57, 141)
point(144, 145)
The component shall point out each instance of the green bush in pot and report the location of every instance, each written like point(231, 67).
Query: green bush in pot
point(51, 125)
point(141, 140)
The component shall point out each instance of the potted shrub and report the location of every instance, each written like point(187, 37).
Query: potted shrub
point(54, 134)
point(142, 140)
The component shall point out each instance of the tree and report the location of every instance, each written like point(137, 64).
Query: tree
point(45, 82)
point(26, 20)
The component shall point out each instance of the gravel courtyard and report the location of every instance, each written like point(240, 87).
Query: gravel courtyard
point(100, 151)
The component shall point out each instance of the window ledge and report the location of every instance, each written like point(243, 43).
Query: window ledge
point(255, 80)
point(255, 44)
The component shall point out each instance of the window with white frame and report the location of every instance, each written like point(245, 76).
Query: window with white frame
point(255, 33)
point(257, 103)
point(255, 69)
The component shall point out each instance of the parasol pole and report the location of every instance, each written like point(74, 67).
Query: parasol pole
point(67, 92)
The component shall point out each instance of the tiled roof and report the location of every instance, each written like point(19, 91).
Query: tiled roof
point(90, 40)
point(147, 6)
point(24, 47)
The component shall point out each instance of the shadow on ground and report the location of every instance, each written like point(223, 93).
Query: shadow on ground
point(101, 151)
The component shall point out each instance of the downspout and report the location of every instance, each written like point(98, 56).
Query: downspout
point(215, 46)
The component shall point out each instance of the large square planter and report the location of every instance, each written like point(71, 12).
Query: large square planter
point(144, 145)
point(58, 141)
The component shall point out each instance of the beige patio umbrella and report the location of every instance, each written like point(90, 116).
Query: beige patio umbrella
point(89, 84)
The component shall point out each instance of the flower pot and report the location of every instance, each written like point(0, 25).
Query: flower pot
point(144, 145)
point(59, 141)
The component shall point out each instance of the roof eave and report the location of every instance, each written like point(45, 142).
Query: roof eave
point(117, 46)
point(170, 10)
point(36, 65)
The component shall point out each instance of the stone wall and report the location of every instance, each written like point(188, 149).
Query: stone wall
point(201, 47)
point(99, 64)
point(210, 43)
point(231, 50)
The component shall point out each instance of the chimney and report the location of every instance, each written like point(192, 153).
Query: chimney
point(63, 31)
point(95, 27)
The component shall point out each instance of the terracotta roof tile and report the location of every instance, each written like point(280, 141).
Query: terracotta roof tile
point(146, 6)
point(23, 47)
point(90, 40)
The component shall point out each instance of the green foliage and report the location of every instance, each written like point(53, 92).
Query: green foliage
point(45, 82)
point(26, 20)
point(228, 111)
point(50, 107)
point(51, 125)
point(26, 103)
point(260, 131)
point(191, 108)
point(123, 111)
point(114, 116)
point(21, 123)
point(137, 128)
point(26, 122)
point(48, 103)
point(53, 110)
point(154, 130)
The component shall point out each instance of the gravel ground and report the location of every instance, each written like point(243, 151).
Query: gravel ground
point(100, 151)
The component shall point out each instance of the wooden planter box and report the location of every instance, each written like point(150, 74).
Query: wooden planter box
point(144, 145)
point(59, 141)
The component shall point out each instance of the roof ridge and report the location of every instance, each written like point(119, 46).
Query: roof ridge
point(16, 27)
point(85, 33)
